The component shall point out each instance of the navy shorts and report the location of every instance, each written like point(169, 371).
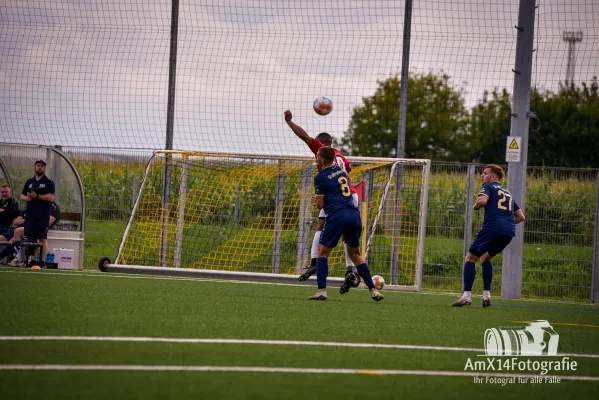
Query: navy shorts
point(9, 234)
point(344, 222)
point(36, 229)
point(489, 242)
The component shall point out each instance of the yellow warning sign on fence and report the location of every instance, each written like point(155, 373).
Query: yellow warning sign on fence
point(513, 151)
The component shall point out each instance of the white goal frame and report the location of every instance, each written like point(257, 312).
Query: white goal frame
point(395, 177)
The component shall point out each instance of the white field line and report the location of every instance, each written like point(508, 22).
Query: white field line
point(260, 342)
point(210, 368)
point(180, 278)
point(162, 278)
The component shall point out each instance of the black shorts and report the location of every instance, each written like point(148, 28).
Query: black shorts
point(36, 229)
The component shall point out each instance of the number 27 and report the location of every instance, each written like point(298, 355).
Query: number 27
point(502, 200)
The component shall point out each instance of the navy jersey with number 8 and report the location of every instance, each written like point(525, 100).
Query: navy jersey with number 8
point(333, 184)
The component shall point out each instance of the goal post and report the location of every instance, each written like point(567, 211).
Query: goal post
point(252, 213)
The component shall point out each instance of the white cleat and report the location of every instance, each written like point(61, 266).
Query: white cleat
point(463, 301)
point(376, 295)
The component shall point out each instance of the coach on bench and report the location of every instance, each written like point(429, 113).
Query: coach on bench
point(38, 192)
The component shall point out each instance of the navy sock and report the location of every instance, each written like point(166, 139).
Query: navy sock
point(487, 275)
point(469, 275)
point(322, 271)
point(313, 262)
point(364, 272)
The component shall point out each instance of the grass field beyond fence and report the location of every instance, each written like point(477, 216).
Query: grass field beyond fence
point(559, 231)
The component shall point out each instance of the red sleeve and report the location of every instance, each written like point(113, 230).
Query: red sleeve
point(315, 145)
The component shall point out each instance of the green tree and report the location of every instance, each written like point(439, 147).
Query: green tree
point(489, 127)
point(567, 131)
point(436, 121)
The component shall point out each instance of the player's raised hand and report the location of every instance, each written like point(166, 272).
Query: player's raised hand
point(288, 116)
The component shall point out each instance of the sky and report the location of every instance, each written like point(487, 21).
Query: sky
point(94, 73)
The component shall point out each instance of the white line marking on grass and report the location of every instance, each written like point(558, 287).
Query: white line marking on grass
point(181, 278)
point(257, 341)
point(132, 276)
point(210, 368)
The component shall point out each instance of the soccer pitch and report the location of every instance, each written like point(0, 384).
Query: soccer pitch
point(93, 335)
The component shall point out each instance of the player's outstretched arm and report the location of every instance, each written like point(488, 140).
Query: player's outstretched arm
point(298, 130)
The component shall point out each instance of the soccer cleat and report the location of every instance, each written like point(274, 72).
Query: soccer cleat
point(307, 273)
point(16, 263)
point(376, 295)
point(344, 288)
point(318, 296)
point(486, 301)
point(462, 301)
point(351, 280)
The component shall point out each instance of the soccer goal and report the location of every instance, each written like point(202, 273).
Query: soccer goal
point(252, 215)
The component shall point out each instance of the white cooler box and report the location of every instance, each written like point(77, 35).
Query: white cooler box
point(65, 258)
point(67, 247)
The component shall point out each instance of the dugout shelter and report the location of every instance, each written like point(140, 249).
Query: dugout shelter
point(17, 165)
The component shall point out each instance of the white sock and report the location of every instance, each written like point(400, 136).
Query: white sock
point(348, 260)
point(487, 293)
point(467, 294)
point(314, 250)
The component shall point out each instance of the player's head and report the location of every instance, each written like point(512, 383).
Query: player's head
point(492, 173)
point(40, 167)
point(5, 191)
point(325, 138)
point(326, 156)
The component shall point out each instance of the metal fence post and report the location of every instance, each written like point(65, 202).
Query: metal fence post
point(181, 213)
point(236, 203)
point(396, 226)
point(511, 273)
point(55, 173)
point(595, 284)
point(468, 209)
point(134, 192)
point(303, 232)
point(278, 222)
point(369, 176)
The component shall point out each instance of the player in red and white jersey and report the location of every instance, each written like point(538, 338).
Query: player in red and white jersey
point(323, 139)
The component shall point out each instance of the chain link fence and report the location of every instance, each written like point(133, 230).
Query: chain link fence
point(560, 209)
point(111, 181)
point(560, 227)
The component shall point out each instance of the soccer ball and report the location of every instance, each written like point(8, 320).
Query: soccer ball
point(379, 282)
point(323, 105)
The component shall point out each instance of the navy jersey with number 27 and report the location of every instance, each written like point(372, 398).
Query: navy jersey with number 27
point(499, 210)
point(333, 184)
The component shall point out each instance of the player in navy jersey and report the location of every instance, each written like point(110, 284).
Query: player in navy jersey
point(502, 213)
point(333, 194)
point(38, 192)
point(323, 139)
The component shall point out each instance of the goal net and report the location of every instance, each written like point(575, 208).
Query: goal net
point(253, 213)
